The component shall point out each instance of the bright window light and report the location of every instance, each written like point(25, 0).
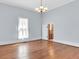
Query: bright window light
point(23, 28)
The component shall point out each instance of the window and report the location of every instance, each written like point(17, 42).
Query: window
point(23, 28)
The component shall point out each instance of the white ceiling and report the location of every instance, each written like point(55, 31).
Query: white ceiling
point(32, 4)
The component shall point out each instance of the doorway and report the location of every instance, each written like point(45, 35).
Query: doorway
point(50, 32)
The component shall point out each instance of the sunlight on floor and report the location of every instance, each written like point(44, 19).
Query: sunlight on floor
point(23, 52)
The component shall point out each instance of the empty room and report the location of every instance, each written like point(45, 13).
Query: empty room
point(39, 29)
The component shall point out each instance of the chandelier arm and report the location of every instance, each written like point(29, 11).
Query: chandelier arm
point(42, 9)
point(41, 3)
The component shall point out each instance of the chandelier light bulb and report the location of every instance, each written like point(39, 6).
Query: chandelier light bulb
point(36, 9)
point(41, 7)
point(39, 11)
point(46, 8)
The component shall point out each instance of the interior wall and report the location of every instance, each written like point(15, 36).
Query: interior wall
point(9, 17)
point(66, 23)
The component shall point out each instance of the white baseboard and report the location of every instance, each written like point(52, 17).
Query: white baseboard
point(12, 42)
point(59, 41)
point(67, 42)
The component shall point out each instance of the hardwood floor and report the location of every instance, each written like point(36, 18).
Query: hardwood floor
point(39, 50)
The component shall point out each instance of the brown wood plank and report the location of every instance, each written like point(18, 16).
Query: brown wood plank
point(39, 50)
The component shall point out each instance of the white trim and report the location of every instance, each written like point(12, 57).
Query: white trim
point(59, 41)
point(18, 41)
point(67, 42)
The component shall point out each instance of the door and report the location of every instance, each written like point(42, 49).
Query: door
point(50, 32)
point(47, 31)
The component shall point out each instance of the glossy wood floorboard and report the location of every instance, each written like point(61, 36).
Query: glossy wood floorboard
point(39, 50)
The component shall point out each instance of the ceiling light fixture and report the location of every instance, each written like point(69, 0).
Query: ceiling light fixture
point(41, 9)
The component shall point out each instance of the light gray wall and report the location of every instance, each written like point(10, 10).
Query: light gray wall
point(66, 22)
point(9, 16)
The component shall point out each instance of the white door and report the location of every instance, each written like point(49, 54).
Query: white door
point(45, 31)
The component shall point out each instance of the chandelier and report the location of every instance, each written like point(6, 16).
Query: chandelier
point(41, 9)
